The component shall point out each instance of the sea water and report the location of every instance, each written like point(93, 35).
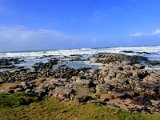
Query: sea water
point(31, 57)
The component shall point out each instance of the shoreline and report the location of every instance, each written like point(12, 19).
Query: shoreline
point(120, 81)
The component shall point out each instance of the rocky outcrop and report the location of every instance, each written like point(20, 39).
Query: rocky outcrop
point(154, 62)
point(18, 75)
point(45, 68)
point(106, 58)
point(27, 74)
point(113, 84)
point(65, 72)
point(9, 62)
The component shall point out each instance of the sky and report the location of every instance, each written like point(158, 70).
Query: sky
point(66, 24)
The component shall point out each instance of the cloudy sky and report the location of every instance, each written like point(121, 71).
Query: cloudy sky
point(61, 24)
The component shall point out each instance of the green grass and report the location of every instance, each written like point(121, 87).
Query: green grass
point(53, 109)
point(16, 99)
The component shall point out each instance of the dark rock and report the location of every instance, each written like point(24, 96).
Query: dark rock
point(98, 102)
point(65, 72)
point(141, 100)
point(84, 98)
point(45, 68)
point(113, 57)
point(154, 62)
point(127, 51)
point(10, 61)
point(136, 109)
point(143, 53)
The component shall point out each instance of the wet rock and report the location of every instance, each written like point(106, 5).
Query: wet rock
point(106, 58)
point(65, 72)
point(17, 75)
point(127, 51)
point(45, 68)
point(9, 62)
point(154, 62)
point(143, 53)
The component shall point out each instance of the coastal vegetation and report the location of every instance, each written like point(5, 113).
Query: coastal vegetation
point(12, 108)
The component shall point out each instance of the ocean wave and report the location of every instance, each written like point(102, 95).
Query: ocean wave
point(89, 51)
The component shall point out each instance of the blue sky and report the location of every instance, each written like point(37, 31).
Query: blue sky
point(57, 24)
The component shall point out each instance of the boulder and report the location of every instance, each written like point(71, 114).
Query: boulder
point(62, 93)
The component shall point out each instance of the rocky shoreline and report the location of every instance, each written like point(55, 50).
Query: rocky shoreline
point(121, 81)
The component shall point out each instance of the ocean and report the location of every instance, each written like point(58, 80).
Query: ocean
point(31, 57)
point(152, 52)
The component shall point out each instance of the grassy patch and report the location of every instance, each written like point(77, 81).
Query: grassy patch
point(53, 109)
point(16, 99)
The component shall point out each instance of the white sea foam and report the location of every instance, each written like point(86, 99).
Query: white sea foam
point(33, 57)
point(89, 51)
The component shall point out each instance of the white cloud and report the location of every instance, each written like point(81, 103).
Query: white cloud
point(23, 34)
point(139, 34)
point(157, 31)
point(22, 38)
point(12, 34)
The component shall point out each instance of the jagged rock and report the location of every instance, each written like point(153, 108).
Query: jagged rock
point(65, 72)
point(45, 68)
point(62, 93)
point(113, 57)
